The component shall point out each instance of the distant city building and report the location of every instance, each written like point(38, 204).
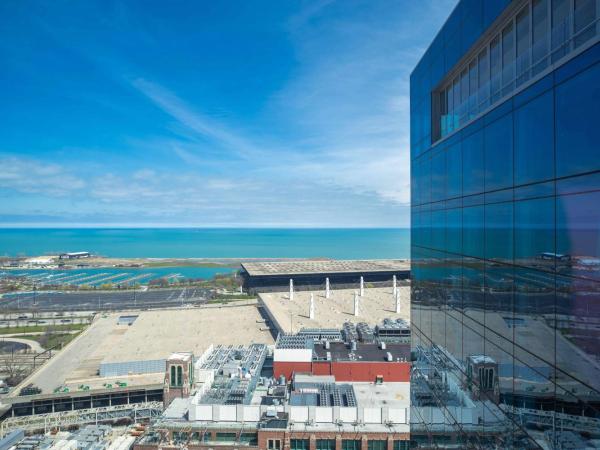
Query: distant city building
point(275, 276)
point(505, 253)
point(74, 255)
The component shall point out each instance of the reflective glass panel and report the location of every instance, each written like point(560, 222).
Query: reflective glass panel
point(534, 233)
point(584, 20)
point(472, 150)
point(534, 140)
point(499, 232)
point(499, 154)
point(578, 234)
point(577, 103)
point(523, 46)
point(539, 50)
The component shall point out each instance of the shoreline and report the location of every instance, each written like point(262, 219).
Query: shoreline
point(53, 262)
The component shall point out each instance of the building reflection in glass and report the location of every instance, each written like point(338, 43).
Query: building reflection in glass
point(506, 228)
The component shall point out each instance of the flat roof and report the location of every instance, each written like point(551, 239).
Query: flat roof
point(365, 352)
point(393, 395)
point(157, 334)
point(289, 316)
point(368, 395)
point(154, 335)
point(328, 266)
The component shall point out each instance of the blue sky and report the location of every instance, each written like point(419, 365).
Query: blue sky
point(202, 113)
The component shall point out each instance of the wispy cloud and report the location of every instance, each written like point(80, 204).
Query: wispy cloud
point(33, 177)
point(308, 12)
point(358, 160)
point(350, 99)
point(323, 141)
point(167, 198)
point(191, 118)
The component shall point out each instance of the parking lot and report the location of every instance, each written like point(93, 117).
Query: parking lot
point(96, 301)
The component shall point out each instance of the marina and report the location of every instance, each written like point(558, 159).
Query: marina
point(42, 279)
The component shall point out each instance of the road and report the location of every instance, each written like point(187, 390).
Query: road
point(35, 346)
point(65, 363)
point(38, 333)
point(99, 301)
point(27, 320)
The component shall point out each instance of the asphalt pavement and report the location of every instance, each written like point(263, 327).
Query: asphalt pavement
point(100, 301)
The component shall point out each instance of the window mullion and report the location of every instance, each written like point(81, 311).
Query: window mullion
point(571, 19)
point(530, 49)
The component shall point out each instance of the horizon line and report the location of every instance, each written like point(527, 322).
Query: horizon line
point(189, 227)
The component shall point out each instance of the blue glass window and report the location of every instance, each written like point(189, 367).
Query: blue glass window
point(423, 179)
point(539, 50)
point(578, 234)
point(377, 444)
point(325, 444)
point(577, 302)
point(473, 232)
point(425, 226)
point(577, 106)
point(438, 228)
point(495, 69)
point(452, 51)
point(399, 445)
point(534, 233)
point(534, 293)
point(438, 176)
point(454, 230)
point(584, 20)
point(299, 444)
point(499, 231)
point(492, 9)
point(472, 150)
point(351, 444)
point(508, 57)
point(523, 45)
point(534, 140)
point(453, 171)
point(499, 154)
point(561, 28)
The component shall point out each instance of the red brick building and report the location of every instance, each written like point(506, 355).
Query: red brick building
point(347, 362)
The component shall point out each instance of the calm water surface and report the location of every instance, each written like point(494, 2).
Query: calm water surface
point(371, 243)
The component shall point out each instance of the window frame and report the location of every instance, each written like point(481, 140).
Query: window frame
point(273, 444)
point(500, 87)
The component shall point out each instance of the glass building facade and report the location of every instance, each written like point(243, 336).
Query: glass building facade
point(505, 217)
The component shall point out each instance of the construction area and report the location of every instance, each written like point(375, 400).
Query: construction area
point(90, 437)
